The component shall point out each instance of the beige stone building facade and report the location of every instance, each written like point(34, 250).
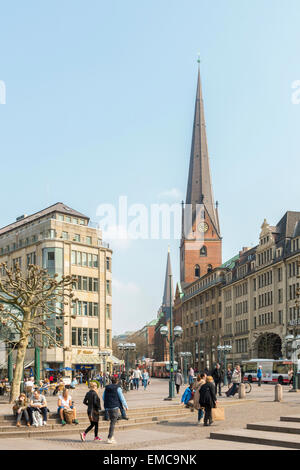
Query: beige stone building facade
point(62, 240)
point(250, 303)
point(260, 294)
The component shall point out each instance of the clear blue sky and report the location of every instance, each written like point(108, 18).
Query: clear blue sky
point(100, 99)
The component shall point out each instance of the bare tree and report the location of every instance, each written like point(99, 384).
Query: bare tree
point(28, 301)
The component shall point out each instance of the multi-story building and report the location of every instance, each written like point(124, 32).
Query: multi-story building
point(260, 294)
point(200, 309)
point(62, 241)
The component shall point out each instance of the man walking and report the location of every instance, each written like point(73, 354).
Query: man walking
point(112, 397)
point(136, 378)
point(218, 377)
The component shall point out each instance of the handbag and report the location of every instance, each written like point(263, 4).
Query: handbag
point(94, 416)
point(69, 415)
point(218, 414)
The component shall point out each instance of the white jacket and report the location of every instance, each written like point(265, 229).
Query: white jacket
point(236, 377)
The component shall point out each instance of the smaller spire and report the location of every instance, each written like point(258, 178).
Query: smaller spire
point(168, 288)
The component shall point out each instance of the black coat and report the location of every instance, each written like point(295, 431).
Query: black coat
point(92, 401)
point(217, 375)
point(208, 395)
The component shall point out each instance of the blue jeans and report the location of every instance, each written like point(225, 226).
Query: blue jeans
point(136, 383)
point(145, 383)
point(200, 414)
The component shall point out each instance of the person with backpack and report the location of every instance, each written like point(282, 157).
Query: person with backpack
point(112, 396)
point(208, 399)
point(92, 400)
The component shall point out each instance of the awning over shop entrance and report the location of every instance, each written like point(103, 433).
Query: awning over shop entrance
point(115, 360)
point(87, 359)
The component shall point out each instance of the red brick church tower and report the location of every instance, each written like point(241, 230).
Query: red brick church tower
point(201, 242)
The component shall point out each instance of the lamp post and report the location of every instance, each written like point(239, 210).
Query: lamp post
point(294, 341)
point(224, 349)
point(126, 348)
point(171, 338)
point(185, 356)
point(104, 355)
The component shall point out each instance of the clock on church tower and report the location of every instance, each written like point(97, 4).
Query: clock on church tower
point(197, 257)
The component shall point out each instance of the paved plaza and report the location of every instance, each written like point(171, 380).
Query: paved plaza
point(184, 434)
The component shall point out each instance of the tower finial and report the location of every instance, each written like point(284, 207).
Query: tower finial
point(198, 58)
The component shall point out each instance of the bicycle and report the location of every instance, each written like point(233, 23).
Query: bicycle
point(248, 387)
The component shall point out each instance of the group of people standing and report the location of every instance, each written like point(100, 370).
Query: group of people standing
point(201, 395)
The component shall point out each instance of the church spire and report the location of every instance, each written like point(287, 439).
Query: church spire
point(201, 242)
point(199, 188)
point(168, 288)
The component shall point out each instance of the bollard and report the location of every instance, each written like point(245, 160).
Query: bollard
point(278, 392)
point(242, 393)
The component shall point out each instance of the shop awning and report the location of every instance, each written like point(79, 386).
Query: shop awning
point(115, 360)
point(87, 359)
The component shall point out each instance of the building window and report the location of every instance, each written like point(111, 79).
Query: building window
point(89, 240)
point(197, 270)
point(108, 310)
point(107, 338)
point(203, 251)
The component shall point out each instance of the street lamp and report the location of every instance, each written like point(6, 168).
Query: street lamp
point(225, 349)
point(104, 355)
point(185, 356)
point(294, 341)
point(126, 347)
point(171, 338)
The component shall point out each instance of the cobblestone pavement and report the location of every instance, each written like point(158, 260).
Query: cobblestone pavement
point(182, 434)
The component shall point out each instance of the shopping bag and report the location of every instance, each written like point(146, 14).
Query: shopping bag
point(37, 418)
point(218, 414)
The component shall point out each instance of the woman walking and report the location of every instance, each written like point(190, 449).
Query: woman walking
point(208, 399)
point(201, 379)
point(178, 380)
point(92, 401)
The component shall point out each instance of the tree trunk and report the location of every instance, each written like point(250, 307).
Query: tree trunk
point(18, 372)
